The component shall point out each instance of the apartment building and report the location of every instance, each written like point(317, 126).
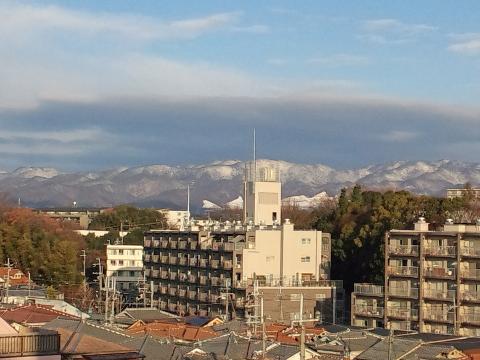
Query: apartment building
point(124, 266)
point(212, 268)
point(458, 193)
point(432, 282)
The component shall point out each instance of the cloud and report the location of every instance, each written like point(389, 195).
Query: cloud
point(336, 60)
point(31, 18)
point(252, 29)
point(466, 44)
point(399, 136)
point(392, 31)
point(344, 131)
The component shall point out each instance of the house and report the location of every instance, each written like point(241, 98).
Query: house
point(33, 314)
point(17, 277)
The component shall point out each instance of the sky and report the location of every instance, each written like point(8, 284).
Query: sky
point(90, 85)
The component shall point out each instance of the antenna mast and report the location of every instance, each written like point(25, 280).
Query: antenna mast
point(254, 156)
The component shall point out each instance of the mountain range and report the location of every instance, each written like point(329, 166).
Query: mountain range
point(221, 182)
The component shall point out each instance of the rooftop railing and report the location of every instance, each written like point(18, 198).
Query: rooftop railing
point(406, 250)
point(368, 289)
point(14, 346)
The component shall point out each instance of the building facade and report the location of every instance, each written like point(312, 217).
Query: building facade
point(212, 268)
point(124, 266)
point(432, 282)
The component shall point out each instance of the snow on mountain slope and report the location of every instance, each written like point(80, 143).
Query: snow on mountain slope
point(305, 202)
point(208, 205)
point(221, 181)
point(235, 203)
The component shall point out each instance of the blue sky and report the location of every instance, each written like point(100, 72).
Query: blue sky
point(345, 83)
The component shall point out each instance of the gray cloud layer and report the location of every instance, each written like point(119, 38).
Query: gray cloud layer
point(338, 132)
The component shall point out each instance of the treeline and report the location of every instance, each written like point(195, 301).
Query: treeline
point(34, 243)
point(359, 220)
point(126, 217)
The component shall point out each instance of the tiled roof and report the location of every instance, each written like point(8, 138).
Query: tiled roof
point(169, 330)
point(21, 280)
point(32, 314)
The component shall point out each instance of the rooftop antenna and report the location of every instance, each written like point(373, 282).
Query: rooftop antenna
point(254, 156)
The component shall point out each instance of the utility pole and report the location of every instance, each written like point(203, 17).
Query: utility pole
point(151, 294)
point(121, 231)
point(302, 343)
point(114, 295)
point(84, 256)
point(8, 278)
point(106, 298)
point(264, 345)
point(29, 283)
point(390, 341)
point(301, 309)
point(100, 283)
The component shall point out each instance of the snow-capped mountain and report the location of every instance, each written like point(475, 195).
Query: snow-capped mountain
point(305, 202)
point(220, 182)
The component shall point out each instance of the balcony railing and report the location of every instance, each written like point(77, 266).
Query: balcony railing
point(471, 296)
point(173, 276)
point(215, 264)
point(155, 273)
point(448, 295)
point(172, 291)
point(403, 250)
point(163, 289)
point(203, 297)
point(470, 317)
point(368, 310)
point(403, 292)
point(172, 260)
point(470, 251)
point(193, 245)
point(172, 307)
point(147, 257)
point(192, 279)
point(164, 244)
point(203, 263)
point(203, 280)
point(155, 258)
point(471, 274)
point(173, 244)
point(192, 295)
point(228, 247)
point(182, 245)
point(410, 271)
point(164, 259)
point(440, 251)
point(368, 289)
point(182, 292)
point(440, 273)
point(183, 261)
point(215, 281)
point(192, 262)
point(14, 346)
point(164, 275)
point(147, 242)
point(227, 264)
point(402, 313)
point(439, 316)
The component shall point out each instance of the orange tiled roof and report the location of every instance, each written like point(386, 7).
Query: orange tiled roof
point(290, 335)
point(33, 314)
point(17, 277)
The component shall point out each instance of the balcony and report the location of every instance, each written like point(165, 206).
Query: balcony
point(368, 290)
point(164, 259)
point(439, 316)
point(470, 296)
point(446, 295)
point(192, 262)
point(163, 289)
point(35, 345)
point(228, 264)
point(173, 276)
point(192, 295)
point(147, 242)
point(155, 258)
point(470, 317)
point(172, 307)
point(162, 305)
point(369, 311)
point(164, 275)
point(204, 245)
point(215, 281)
point(216, 246)
point(172, 291)
point(183, 261)
point(164, 244)
point(182, 276)
point(214, 298)
point(403, 250)
point(147, 257)
point(203, 297)
point(471, 274)
point(402, 313)
point(172, 260)
point(470, 252)
point(403, 271)
point(148, 272)
point(403, 292)
point(192, 279)
point(439, 273)
point(203, 263)
point(155, 243)
point(228, 247)
point(182, 245)
point(203, 280)
point(173, 244)
point(193, 245)
point(182, 292)
point(240, 303)
point(440, 251)
point(155, 273)
point(214, 264)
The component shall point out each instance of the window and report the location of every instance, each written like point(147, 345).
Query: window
point(270, 258)
point(120, 252)
point(319, 296)
point(113, 262)
point(306, 241)
point(120, 262)
point(113, 252)
point(305, 259)
point(274, 216)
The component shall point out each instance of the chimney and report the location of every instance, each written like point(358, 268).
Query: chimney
point(421, 224)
